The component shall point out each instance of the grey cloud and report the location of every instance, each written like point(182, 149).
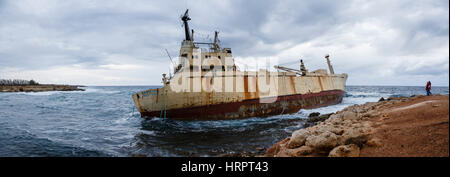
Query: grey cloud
point(88, 33)
point(440, 68)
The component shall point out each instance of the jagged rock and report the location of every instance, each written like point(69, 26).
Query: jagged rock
point(338, 115)
point(308, 124)
point(350, 150)
point(315, 119)
point(346, 123)
point(371, 113)
point(272, 151)
point(284, 153)
point(320, 118)
point(335, 119)
point(314, 114)
point(350, 115)
point(374, 142)
point(360, 140)
point(328, 126)
point(298, 138)
point(357, 125)
point(304, 150)
point(354, 136)
point(359, 109)
point(337, 130)
point(323, 142)
point(381, 99)
point(367, 126)
point(319, 129)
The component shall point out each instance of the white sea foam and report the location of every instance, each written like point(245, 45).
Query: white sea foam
point(99, 90)
point(41, 93)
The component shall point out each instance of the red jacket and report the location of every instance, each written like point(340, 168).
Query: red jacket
point(428, 86)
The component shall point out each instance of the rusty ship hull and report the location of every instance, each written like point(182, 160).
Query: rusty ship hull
point(253, 108)
point(207, 84)
point(293, 93)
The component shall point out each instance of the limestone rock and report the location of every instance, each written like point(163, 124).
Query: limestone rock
point(313, 120)
point(304, 150)
point(350, 150)
point(350, 115)
point(337, 130)
point(323, 142)
point(336, 116)
point(298, 138)
point(371, 114)
point(275, 149)
point(354, 136)
point(334, 119)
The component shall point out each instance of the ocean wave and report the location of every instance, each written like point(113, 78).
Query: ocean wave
point(23, 143)
point(46, 93)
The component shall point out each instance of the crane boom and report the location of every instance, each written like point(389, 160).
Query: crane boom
point(288, 69)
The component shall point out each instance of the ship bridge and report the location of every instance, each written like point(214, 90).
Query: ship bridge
point(194, 58)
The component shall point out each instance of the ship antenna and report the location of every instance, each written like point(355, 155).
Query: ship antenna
point(170, 57)
point(170, 75)
point(216, 47)
point(185, 18)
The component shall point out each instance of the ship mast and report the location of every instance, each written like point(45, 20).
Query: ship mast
point(329, 64)
point(216, 47)
point(185, 18)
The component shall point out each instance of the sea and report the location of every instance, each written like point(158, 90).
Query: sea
point(103, 121)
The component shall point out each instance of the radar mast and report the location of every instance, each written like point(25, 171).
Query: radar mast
point(185, 18)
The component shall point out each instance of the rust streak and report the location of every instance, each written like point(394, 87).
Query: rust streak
point(320, 83)
point(246, 93)
point(256, 88)
point(208, 98)
point(291, 80)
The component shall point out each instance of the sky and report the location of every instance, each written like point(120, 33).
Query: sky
point(116, 42)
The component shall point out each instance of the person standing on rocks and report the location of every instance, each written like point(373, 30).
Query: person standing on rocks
point(428, 88)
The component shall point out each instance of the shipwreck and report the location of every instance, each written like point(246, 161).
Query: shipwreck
point(207, 84)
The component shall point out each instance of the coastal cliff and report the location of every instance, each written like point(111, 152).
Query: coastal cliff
point(396, 127)
point(39, 88)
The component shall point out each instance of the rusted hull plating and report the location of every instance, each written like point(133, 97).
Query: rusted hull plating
point(286, 104)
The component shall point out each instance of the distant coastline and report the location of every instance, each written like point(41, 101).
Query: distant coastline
point(20, 85)
point(39, 88)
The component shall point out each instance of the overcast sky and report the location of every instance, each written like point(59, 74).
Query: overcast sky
point(117, 42)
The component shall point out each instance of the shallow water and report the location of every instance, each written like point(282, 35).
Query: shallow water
point(102, 121)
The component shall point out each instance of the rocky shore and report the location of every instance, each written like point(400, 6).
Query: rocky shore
point(414, 126)
point(39, 88)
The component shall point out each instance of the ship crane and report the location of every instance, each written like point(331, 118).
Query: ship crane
point(288, 69)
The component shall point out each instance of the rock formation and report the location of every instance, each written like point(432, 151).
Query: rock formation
point(347, 132)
